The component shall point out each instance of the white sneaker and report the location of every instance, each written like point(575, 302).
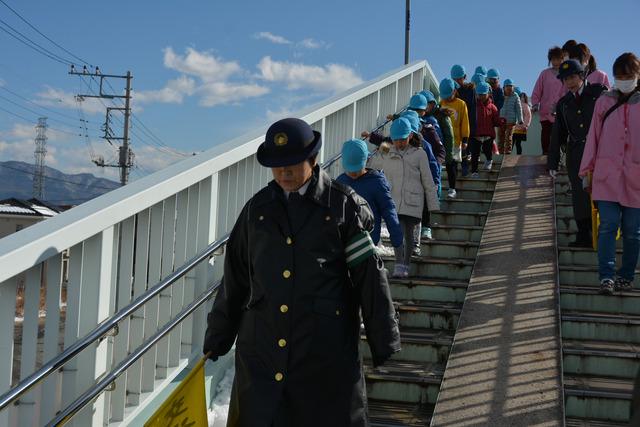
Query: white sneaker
point(400, 271)
point(426, 233)
point(451, 194)
point(475, 175)
point(488, 164)
point(416, 251)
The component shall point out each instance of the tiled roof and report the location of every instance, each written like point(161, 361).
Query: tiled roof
point(32, 207)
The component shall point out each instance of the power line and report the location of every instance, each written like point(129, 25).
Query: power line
point(55, 179)
point(17, 95)
point(39, 32)
point(39, 113)
point(33, 122)
point(33, 45)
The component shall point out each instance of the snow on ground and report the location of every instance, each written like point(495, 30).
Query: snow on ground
point(217, 414)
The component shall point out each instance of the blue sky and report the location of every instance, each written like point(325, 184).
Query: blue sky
point(205, 72)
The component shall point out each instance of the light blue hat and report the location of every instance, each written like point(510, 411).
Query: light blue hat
point(427, 94)
point(458, 72)
point(418, 102)
point(493, 73)
point(508, 82)
point(447, 86)
point(483, 88)
point(481, 70)
point(354, 155)
point(478, 78)
point(517, 90)
point(413, 118)
point(400, 129)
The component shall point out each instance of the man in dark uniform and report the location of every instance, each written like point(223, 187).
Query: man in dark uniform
point(573, 118)
point(300, 267)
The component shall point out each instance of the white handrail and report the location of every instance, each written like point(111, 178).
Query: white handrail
point(35, 244)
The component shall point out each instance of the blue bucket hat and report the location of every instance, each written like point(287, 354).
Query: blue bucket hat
point(508, 82)
point(400, 129)
point(458, 72)
point(481, 70)
point(478, 78)
point(418, 102)
point(288, 142)
point(493, 73)
point(447, 86)
point(413, 118)
point(517, 90)
point(483, 88)
point(428, 95)
point(354, 155)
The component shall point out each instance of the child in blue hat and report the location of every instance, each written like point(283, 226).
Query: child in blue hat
point(407, 169)
point(373, 186)
point(511, 113)
point(467, 92)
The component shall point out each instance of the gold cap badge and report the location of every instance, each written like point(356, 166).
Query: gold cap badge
point(565, 66)
point(280, 139)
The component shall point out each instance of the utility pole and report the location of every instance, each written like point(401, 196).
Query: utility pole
point(125, 154)
point(407, 26)
point(40, 153)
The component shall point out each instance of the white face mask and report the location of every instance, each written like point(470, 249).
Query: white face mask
point(626, 86)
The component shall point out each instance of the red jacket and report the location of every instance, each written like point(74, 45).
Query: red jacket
point(488, 118)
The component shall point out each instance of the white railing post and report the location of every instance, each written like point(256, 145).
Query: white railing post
point(8, 290)
point(94, 307)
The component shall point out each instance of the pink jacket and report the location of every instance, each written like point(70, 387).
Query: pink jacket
point(547, 91)
point(612, 151)
point(526, 117)
point(599, 76)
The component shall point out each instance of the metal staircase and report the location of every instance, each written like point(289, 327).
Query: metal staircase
point(404, 391)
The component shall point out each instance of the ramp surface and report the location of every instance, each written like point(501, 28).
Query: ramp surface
point(505, 368)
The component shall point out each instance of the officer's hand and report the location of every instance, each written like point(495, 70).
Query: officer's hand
point(365, 134)
point(586, 184)
point(389, 116)
point(553, 173)
point(385, 147)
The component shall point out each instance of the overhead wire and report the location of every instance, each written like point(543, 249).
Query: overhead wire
point(31, 44)
point(33, 122)
point(17, 95)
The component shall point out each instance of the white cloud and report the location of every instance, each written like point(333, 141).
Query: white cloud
point(312, 44)
point(173, 93)
point(282, 113)
point(203, 65)
point(330, 78)
point(58, 98)
point(217, 93)
point(273, 38)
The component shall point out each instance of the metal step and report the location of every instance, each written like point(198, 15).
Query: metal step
point(436, 268)
point(598, 398)
point(566, 223)
point(582, 256)
point(586, 275)
point(448, 249)
point(419, 345)
point(471, 194)
point(564, 209)
point(428, 290)
point(581, 422)
point(407, 382)
point(464, 205)
point(592, 326)
point(565, 237)
point(458, 218)
point(470, 183)
point(433, 315)
point(469, 233)
point(395, 414)
point(587, 298)
point(600, 358)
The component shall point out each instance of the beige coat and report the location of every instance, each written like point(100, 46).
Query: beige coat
point(410, 179)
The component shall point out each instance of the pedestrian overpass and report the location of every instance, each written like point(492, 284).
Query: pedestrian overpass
point(500, 321)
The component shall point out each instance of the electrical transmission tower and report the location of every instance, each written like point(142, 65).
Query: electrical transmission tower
point(40, 153)
point(125, 154)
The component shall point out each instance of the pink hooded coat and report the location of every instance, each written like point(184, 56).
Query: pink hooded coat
point(612, 151)
point(547, 91)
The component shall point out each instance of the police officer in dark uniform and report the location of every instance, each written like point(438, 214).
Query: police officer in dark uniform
point(573, 119)
point(300, 276)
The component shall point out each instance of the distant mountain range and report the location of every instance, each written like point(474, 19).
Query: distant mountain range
point(16, 180)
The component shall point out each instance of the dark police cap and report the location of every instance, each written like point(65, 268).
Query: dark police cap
point(288, 142)
point(570, 67)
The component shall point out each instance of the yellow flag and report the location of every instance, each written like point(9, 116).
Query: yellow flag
point(186, 406)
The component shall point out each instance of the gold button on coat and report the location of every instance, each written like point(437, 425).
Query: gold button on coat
point(286, 274)
point(284, 308)
point(282, 342)
point(279, 376)
point(289, 241)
